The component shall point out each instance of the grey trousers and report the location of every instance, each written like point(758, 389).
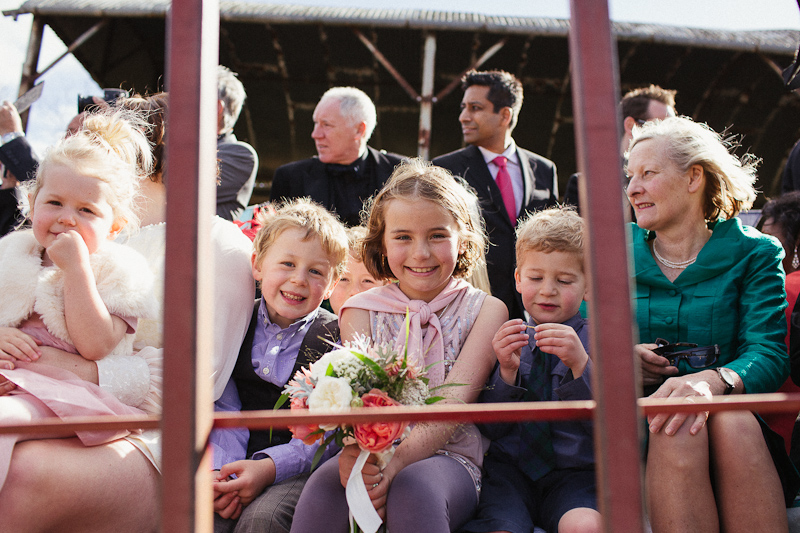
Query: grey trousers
point(271, 512)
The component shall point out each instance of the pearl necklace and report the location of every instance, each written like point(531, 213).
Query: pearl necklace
point(680, 265)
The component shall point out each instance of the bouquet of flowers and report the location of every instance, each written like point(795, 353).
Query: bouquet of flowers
point(358, 374)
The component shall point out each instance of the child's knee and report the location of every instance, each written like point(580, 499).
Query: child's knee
point(581, 520)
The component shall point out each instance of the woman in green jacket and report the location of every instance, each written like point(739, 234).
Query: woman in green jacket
point(703, 278)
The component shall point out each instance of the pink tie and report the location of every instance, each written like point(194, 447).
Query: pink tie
point(503, 180)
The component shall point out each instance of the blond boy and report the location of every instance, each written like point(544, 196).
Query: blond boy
point(542, 473)
point(299, 255)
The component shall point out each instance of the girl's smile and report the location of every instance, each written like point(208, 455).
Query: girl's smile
point(422, 243)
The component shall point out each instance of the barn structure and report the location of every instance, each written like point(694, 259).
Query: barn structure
point(410, 62)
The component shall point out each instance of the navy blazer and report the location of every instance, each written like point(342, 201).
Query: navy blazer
point(540, 190)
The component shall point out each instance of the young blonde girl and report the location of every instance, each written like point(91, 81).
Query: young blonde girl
point(65, 284)
point(421, 235)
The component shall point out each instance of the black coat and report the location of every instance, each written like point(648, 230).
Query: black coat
point(308, 177)
point(540, 190)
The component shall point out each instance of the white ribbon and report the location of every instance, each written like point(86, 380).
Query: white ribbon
point(361, 509)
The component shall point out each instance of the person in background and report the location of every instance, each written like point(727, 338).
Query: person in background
point(780, 217)
point(18, 165)
point(346, 172)
point(238, 161)
point(636, 107)
point(509, 180)
point(355, 278)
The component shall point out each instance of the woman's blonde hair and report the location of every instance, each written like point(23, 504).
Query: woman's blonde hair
point(729, 179)
point(417, 179)
point(111, 146)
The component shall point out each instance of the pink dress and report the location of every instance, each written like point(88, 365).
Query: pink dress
point(439, 329)
point(32, 299)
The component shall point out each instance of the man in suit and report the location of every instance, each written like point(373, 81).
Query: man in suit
point(346, 171)
point(509, 180)
point(238, 161)
point(637, 107)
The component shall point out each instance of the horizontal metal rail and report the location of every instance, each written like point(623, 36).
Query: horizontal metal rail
point(483, 413)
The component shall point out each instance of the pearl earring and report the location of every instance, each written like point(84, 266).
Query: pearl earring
point(795, 260)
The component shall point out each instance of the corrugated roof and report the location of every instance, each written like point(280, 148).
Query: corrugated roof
point(774, 41)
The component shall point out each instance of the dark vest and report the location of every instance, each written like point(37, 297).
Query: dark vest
point(256, 394)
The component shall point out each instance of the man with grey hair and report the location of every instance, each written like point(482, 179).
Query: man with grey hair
point(345, 171)
point(238, 161)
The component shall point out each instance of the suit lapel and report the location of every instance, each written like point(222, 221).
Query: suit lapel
point(528, 180)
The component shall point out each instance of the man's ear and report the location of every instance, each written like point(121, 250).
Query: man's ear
point(361, 129)
point(507, 115)
point(628, 124)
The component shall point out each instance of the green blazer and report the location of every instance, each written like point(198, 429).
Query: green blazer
point(733, 296)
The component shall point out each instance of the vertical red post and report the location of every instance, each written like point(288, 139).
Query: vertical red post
point(192, 56)
point(595, 92)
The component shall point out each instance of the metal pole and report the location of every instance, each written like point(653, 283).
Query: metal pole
point(31, 61)
point(192, 52)
point(426, 102)
point(595, 91)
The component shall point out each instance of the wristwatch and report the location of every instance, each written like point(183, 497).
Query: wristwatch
point(728, 377)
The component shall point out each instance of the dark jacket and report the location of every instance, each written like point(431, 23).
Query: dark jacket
point(310, 178)
point(540, 190)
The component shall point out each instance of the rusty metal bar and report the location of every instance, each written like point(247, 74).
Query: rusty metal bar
point(511, 412)
point(85, 36)
point(477, 63)
point(192, 52)
point(385, 62)
point(426, 102)
point(595, 88)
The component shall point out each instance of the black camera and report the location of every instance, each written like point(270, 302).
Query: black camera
point(110, 96)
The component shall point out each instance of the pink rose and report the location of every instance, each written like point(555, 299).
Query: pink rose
point(309, 433)
point(378, 436)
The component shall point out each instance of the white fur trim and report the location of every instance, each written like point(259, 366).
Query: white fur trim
point(123, 276)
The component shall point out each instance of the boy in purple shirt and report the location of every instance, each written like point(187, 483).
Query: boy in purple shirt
point(541, 473)
point(299, 254)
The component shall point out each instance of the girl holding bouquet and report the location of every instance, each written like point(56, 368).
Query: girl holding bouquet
point(421, 235)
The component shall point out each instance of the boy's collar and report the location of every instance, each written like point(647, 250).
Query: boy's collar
point(265, 321)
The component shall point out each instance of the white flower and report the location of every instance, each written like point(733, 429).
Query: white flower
point(320, 367)
point(330, 394)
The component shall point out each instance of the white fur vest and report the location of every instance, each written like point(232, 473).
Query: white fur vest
point(123, 277)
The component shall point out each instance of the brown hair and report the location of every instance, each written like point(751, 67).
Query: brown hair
point(418, 179)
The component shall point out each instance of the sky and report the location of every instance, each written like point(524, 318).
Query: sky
point(64, 82)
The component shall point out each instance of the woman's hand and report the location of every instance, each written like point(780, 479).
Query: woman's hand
point(654, 367)
point(689, 387)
